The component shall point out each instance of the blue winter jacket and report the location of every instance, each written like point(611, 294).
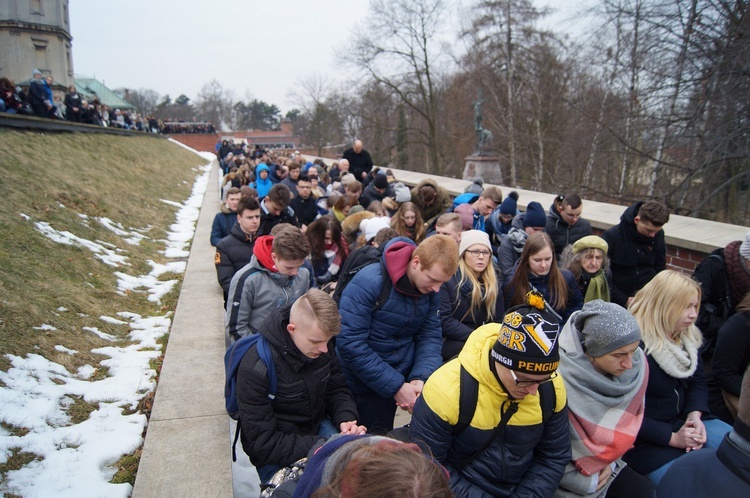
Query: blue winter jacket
point(398, 343)
point(222, 226)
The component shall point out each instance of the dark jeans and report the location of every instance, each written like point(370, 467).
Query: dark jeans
point(376, 412)
point(631, 484)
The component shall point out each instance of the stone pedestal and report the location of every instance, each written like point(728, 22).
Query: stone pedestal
point(486, 167)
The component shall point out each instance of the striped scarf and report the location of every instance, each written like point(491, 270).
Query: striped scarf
point(605, 412)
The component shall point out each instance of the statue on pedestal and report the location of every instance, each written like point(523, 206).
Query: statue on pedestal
point(485, 138)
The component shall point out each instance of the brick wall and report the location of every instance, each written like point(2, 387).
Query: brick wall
point(685, 260)
point(198, 141)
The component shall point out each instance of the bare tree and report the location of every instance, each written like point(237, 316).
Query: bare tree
point(214, 104)
point(145, 100)
point(399, 48)
point(319, 122)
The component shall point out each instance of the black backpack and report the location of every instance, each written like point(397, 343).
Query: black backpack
point(360, 258)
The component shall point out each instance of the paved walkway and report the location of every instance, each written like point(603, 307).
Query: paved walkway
point(186, 452)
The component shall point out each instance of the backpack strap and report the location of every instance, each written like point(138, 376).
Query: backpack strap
point(264, 351)
point(547, 400)
point(385, 288)
point(505, 416)
point(467, 401)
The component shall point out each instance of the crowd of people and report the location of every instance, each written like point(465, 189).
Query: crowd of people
point(39, 100)
point(535, 357)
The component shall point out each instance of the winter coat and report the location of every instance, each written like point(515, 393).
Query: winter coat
point(72, 100)
point(400, 342)
point(292, 184)
point(456, 317)
point(38, 97)
point(233, 252)
point(708, 473)
point(496, 229)
point(358, 163)
point(541, 283)
point(563, 234)
point(261, 185)
point(722, 289)
point(527, 459)
point(439, 206)
point(512, 246)
point(282, 430)
point(268, 220)
point(731, 359)
point(258, 289)
point(370, 194)
point(222, 225)
point(306, 210)
point(634, 258)
point(668, 402)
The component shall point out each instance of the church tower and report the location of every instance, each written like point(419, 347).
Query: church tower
point(35, 34)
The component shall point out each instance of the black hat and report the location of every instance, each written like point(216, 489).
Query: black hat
point(528, 337)
point(380, 181)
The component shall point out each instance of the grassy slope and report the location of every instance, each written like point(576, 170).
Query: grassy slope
point(120, 178)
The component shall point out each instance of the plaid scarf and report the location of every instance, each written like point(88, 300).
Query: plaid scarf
point(604, 412)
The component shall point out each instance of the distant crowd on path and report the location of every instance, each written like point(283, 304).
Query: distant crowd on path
point(40, 101)
point(535, 357)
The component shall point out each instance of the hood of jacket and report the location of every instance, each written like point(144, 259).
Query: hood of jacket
point(554, 214)
point(627, 220)
point(397, 255)
point(262, 251)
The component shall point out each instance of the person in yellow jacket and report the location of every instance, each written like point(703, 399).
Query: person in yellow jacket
point(517, 442)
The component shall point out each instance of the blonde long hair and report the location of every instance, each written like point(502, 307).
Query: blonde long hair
point(487, 279)
point(658, 306)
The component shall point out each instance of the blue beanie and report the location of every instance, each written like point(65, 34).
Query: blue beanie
point(535, 216)
point(508, 206)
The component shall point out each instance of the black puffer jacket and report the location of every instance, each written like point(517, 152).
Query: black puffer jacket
point(232, 253)
point(282, 431)
point(563, 234)
point(634, 258)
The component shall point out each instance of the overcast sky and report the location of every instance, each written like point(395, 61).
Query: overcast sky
point(255, 48)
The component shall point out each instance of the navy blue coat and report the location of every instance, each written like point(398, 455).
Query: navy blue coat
point(710, 472)
point(222, 226)
point(398, 343)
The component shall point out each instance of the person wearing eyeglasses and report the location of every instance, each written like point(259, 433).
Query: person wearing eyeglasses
point(472, 297)
point(606, 375)
point(516, 442)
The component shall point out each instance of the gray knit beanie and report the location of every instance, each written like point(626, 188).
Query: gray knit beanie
point(604, 327)
point(745, 247)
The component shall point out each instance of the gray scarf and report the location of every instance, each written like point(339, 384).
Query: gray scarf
point(605, 412)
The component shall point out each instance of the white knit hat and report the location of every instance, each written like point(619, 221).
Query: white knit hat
point(472, 237)
point(372, 226)
point(745, 247)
